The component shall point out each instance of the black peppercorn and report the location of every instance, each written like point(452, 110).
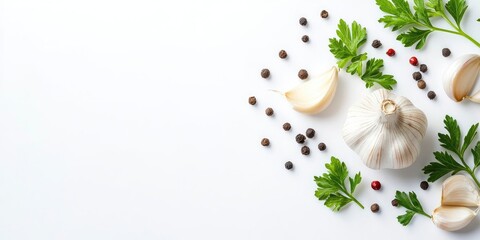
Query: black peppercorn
point(305, 38)
point(269, 111)
point(421, 84)
point(431, 94)
point(300, 138)
point(303, 21)
point(265, 73)
point(395, 202)
point(417, 76)
point(282, 54)
point(310, 133)
point(446, 52)
point(423, 68)
point(287, 126)
point(303, 74)
point(252, 100)
point(265, 142)
point(322, 146)
point(424, 185)
point(374, 208)
point(324, 14)
point(305, 150)
point(288, 165)
point(376, 43)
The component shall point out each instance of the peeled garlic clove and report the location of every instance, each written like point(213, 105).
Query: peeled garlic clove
point(385, 130)
point(460, 77)
point(452, 218)
point(314, 95)
point(459, 190)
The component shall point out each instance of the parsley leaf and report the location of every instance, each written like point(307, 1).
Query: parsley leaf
point(418, 23)
point(374, 75)
point(457, 9)
point(452, 141)
point(345, 49)
point(411, 203)
point(331, 186)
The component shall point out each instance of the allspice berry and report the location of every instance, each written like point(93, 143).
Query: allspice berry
point(431, 95)
point(287, 126)
point(421, 84)
point(305, 38)
point(374, 208)
point(303, 74)
point(303, 21)
point(417, 76)
point(305, 150)
point(265, 142)
point(376, 43)
point(395, 202)
point(310, 133)
point(322, 146)
point(423, 68)
point(252, 100)
point(265, 73)
point(300, 138)
point(282, 54)
point(446, 52)
point(269, 111)
point(324, 14)
point(288, 165)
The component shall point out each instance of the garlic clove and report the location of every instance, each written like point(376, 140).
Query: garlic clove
point(460, 77)
point(459, 190)
point(385, 130)
point(315, 95)
point(475, 97)
point(452, 218)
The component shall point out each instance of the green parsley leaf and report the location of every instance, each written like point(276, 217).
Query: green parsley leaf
point(476, 156)
point(451, 141)
point(457, 9)
point(374, 75)
point(446, 164)
point(418, 24)
point(472, 133)
point(331, 186)
point(406, 218)
point(411, 203)
point(345, 49)
point(413, 36)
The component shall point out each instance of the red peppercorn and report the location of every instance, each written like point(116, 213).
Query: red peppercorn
point(376, 185)
point(390, 52)
point(413, 61)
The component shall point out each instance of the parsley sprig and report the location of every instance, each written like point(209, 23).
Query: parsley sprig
point(413, 206)
point(452, 141)
point(418, 23)
point(345, 48)
point(332, 188)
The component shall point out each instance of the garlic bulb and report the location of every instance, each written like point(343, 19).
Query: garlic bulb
point(315, 95)
point(459, 190)
point(452, 218)
point(460, 77)
point(385, 130)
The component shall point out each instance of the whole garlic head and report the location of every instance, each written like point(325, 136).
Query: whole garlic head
point(385, 130)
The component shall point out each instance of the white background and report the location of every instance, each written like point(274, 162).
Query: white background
point(125, 119)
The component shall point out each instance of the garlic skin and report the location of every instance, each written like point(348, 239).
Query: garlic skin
point(459, 190)
point(314, 95)
point(460, 78)
point(452, 218)
point(385, 130)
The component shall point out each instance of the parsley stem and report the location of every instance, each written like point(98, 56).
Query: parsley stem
point(469, 170)
point(354, 199)
point(425, 214)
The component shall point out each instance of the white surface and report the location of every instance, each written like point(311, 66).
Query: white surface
point(129, 120)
